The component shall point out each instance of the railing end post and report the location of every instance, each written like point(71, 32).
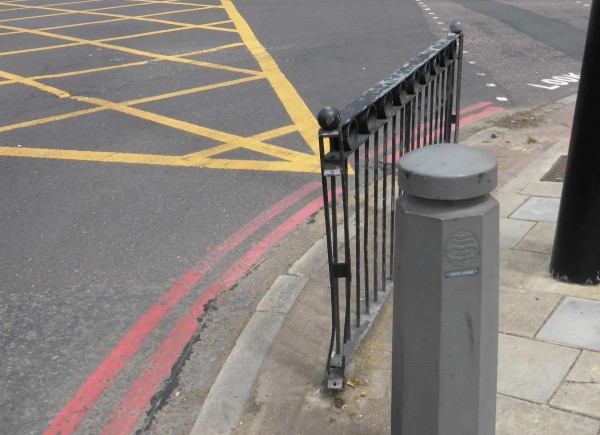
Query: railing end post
point(329, 118)
point(456, 27)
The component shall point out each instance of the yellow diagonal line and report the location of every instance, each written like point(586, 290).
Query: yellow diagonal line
point(255, 143)
point(35, 50)
point(50, 119)
point(177, 3)
point(132, 64)
point(293, 103)
point(190, 91)
point(30, 82)
point(74, 3)
point(113, 20)
point(199, 130)
point(130, 51)
point(55, 91)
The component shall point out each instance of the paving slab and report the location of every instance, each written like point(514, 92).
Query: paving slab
point(516, 416)
point(551, 189)
point(579, 397)
point(576, 322)
point(539, 239)
point(532, 370)
point(538, 209)
point(512, 231)
point(587, 368)
point(541, 280)
point(516, 267)
point(509, 202)
point(580, 392)
point(523, 312)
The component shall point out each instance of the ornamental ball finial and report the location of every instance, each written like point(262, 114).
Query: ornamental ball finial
point(456, 26)
point(329, 118)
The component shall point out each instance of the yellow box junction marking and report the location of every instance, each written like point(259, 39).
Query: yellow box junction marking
point(303, 122)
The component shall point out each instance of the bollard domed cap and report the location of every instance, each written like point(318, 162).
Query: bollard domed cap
point(447, 172)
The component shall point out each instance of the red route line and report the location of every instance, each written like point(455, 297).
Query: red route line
point(477, 116)
point(77, 408)
point(136, 399)
point(474, 107)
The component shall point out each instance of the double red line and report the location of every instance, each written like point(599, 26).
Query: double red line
point(136, 399)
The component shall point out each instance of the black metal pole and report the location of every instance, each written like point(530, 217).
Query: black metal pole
point(576, 251)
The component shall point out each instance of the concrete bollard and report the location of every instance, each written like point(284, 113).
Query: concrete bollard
point(445, 337)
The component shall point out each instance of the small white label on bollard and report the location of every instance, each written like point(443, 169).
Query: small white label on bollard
point(459, 273)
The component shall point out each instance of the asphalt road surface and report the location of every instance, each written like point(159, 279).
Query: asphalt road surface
point(152, 152)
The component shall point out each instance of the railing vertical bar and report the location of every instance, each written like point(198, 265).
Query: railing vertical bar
point(335, 288)
point(458, 83)
point(443, 106)
point(375, 210)
point(396, 119)
point(426, 97)
point(419, 114)
point(357, 232)
point(413, 121)
point(366, 228)
point(450, 100)
point(384, 212)
point(432, 109)
point(348, 278)
point(408, 128)
point(438, 87)
point(332, 280)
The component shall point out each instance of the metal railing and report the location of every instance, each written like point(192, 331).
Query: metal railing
point(415, 106)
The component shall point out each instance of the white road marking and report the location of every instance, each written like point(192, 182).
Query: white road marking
point(557, 81)
point(501, 98)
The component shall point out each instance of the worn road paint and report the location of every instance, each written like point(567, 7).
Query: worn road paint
point(138, 396)
point(77, 408)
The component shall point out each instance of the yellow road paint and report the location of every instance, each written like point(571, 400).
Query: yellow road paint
point(145, 62)
point(98, 12)
point(34, 84)
point(212, 50)
point(293, 103)
point(190, 91)
point(50, 119)
point(146, 159)
point(303, 120)
point(112, 20)
point(17, 79)
point(34, 50)
point(99, 43)
point(74, 3)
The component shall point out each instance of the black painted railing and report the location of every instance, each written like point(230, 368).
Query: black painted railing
point(415, 106)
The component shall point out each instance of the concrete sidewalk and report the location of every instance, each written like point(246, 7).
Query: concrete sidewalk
point(549, 341)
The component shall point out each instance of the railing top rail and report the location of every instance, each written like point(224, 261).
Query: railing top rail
point(359, 118)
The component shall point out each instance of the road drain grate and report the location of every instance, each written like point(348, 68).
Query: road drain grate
point(557, 171)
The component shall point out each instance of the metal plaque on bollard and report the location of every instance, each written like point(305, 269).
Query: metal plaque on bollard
point(445, 337)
